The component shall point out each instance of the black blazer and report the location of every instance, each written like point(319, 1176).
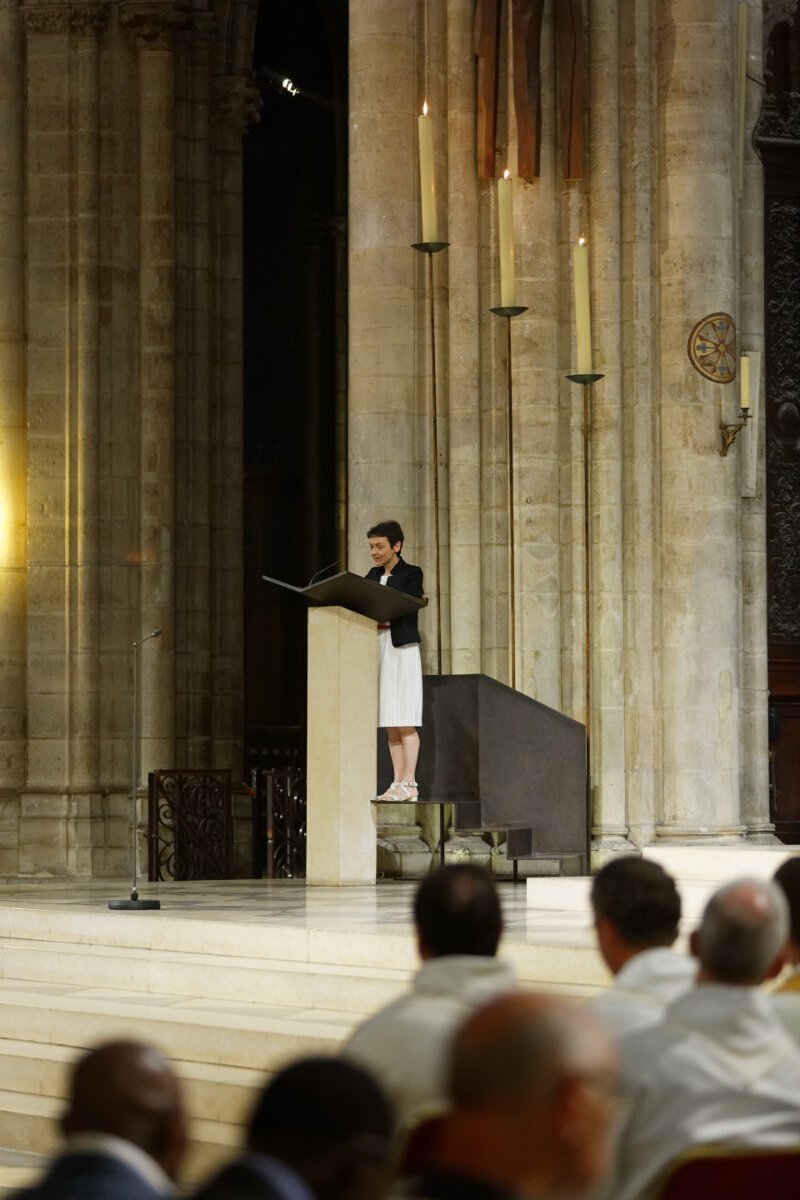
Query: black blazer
point(406, 578)
point(238, 1181)
point(89, 1175)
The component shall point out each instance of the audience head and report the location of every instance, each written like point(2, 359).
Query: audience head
point(742, 934)
point(457, 911)
point(787, 877)
point(129, 1090)
point(530, 1080)
point(636, 907)
point(330, 1122)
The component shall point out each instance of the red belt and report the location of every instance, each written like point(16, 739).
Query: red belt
point(384, 627)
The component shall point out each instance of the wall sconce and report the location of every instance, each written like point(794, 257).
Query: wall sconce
point(731, 432)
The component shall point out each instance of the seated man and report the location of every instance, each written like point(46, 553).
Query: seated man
point(320, 1130)
point(720, 1069)
point(531, 1082)
point(637, 911)
point(458, 923)
point(124, 1129)
point(786, 998)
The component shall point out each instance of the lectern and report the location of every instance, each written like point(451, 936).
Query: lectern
point(342, 722)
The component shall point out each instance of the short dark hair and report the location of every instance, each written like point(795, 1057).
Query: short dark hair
point(457, 911)
point(388, 529)
point(787, 878)
point(640, 900)
point(317, 1105)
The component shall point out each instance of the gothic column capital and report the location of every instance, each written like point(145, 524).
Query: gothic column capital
point(45, 18)
point(236, 99)
point(151, 24)
point(90, 19)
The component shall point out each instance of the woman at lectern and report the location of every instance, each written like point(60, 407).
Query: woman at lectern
point(399, 662)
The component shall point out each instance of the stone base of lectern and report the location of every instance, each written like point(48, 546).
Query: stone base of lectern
point(342, 748)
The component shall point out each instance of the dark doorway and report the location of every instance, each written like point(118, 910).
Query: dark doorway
point(295, 334)
point(778, 142)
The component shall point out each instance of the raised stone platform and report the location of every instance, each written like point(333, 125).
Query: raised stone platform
point(699, 870)
point(231, 980)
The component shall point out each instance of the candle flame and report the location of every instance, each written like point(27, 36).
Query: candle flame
point(506, 173)
point(425, 108)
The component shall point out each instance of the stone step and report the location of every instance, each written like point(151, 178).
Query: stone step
point(697, 870)
point(223, 977)
point(194, 1030)
point(30, 1122)
point(19, 1168)
point(572, 895)
point(355, 971)
point(719, 864)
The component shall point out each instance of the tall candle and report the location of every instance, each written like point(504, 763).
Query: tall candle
point(505, 227)
point(583, 311)
point(744, 382)
point(427, 181)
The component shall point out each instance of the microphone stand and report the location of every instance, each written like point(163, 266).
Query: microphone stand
point(135, 902)
point(319, 574)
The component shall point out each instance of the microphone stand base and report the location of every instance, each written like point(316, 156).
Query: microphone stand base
point(135, 903)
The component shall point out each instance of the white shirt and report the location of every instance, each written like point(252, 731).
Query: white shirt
point(785, 1002)
point(639, 993)
point(405, 1045)
point(720, 1068)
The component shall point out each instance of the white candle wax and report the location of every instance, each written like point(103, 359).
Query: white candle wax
point(505, 227)
point(427, 181)
point(583, 311)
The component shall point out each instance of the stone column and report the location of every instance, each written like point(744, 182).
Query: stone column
point(388, 443)
point(194, 600)
point(699, 489)
point(607, 733)
point(463, 266)
point(44, 809)
point(755, 688)
point(388, 459)
point(235, 105)
point(13, 448)
point(640, 423)
point(152, 26)
point(87, 23)
point(537, 370)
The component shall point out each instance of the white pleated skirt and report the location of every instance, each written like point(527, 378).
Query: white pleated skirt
point(399, 683)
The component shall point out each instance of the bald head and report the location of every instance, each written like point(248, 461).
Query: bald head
point(129, 1090)
point(529, 1080)
point(742, 934)
point(523, 1046)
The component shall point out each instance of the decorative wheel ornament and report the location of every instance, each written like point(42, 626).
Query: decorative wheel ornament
point(712, 348)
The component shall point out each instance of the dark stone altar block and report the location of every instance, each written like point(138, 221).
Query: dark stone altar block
point(506, 762)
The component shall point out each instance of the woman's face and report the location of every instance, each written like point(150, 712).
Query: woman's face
point(383, 554)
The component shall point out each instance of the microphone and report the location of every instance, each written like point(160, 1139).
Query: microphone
point(314, 578)
point(154, 633)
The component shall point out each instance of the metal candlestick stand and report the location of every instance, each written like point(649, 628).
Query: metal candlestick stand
point(509, 311)
point(586, 381)
point(431, 248)
point(134, 902)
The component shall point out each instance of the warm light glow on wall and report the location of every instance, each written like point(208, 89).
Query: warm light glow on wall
point(12, 510)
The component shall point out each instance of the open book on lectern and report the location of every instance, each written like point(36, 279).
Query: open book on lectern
point(359, 595)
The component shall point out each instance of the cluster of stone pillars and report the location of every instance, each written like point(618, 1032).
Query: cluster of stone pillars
point(120, 328)
point(120, 411)
point(678, 657)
